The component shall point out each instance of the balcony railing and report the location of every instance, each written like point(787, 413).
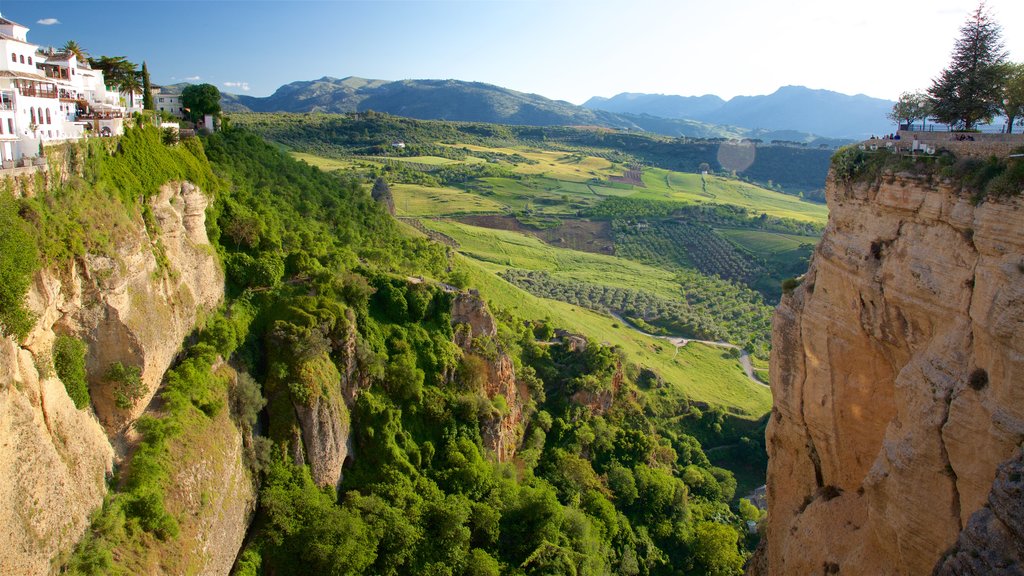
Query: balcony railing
point(37, 92)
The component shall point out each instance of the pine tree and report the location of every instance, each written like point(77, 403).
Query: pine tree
point(147, 86)
point(968, 91)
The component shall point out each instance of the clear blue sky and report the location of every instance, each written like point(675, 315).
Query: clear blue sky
point(565, 49)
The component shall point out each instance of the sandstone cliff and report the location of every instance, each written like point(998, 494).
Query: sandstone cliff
point(896, 375)
point(133, 305)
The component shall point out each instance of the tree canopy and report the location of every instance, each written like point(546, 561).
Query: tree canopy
point(910, 107)
point(1012, 103)
point(201, 99)
point(968, 91)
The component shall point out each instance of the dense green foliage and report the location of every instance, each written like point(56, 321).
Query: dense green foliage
point(975, 176)
point(318, 293)
point(69, 364)
point(18, 260)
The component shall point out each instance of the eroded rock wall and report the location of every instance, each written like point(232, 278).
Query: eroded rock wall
point(898, 378)
point(134, 305)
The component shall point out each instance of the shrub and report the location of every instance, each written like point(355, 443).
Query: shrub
point(246, 400)
point(789, 284)
point(978, 379)
point(127, 381)
point(69, 363)
point(19, 258)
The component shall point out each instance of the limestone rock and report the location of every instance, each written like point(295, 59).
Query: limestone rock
point(135, 307)
point(128, 306)
point(896, 371)
point(502, 432)
point(993, 542)
point(54, 461)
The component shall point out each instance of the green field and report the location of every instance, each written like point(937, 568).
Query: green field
point(414, 200)
point(766, 244)
point(325, 164)
point(683, 187)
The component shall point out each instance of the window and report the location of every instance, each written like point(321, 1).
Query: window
point(22, 58)
point(30, 60)
point(33, 111)
point(10, 125)
point(48, 116)
point(14, 58)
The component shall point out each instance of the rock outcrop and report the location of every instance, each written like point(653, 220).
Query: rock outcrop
point(993, 542)
point(896, 376)
point(54, 461)
point(133, 305)
point(502, 430)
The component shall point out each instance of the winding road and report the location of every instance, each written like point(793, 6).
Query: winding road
point(678, 342)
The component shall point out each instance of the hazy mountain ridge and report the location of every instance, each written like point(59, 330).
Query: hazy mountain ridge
point(796, 108)
point(459, 100)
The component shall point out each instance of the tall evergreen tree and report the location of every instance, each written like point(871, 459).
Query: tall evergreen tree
point(147, 96)
point(968, 91)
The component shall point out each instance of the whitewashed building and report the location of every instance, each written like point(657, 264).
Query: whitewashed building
point(48, 96)
point(165, 101)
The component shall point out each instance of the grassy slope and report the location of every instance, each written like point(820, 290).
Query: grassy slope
point(415, 200)
point(705, 373)
point(764, 243)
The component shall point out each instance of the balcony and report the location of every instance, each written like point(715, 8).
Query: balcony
point(46, 91)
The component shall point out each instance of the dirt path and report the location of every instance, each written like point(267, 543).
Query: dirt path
point(748, 367)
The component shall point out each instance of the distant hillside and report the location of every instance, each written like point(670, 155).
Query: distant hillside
point(478, 102)
point(794, 108)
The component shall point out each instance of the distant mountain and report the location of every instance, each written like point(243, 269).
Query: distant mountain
point(662, 105)
point(478, 102)
point(789, 108)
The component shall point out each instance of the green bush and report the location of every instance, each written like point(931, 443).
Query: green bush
point(69, 363)
point(127, 381)
point(19, 258)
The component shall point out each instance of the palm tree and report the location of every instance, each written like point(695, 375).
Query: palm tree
point(130, 83)
point(72, 47)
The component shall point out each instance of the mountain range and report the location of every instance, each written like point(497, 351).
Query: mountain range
point(792, 113)
point(789, 108)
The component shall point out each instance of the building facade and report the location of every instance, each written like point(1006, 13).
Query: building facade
point(48, 96)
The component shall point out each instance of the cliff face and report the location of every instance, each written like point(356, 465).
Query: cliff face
point(896, 371)
point(502, 432)
point(130, 306)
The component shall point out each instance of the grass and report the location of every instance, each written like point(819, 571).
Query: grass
point(497, 250)
point(325, 164)
point(684, 187)
point(766, 244)
point(415, 200)
point(704, 373)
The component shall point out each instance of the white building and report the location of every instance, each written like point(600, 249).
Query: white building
point(167, 102)
point(48, 96)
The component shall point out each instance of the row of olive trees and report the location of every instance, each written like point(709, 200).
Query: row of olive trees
point(978, 84)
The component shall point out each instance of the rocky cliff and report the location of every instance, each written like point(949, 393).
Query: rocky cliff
point(896, 374)
point(133, 305)
point(503, 429)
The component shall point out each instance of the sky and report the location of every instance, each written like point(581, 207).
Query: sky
point(563, 49)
